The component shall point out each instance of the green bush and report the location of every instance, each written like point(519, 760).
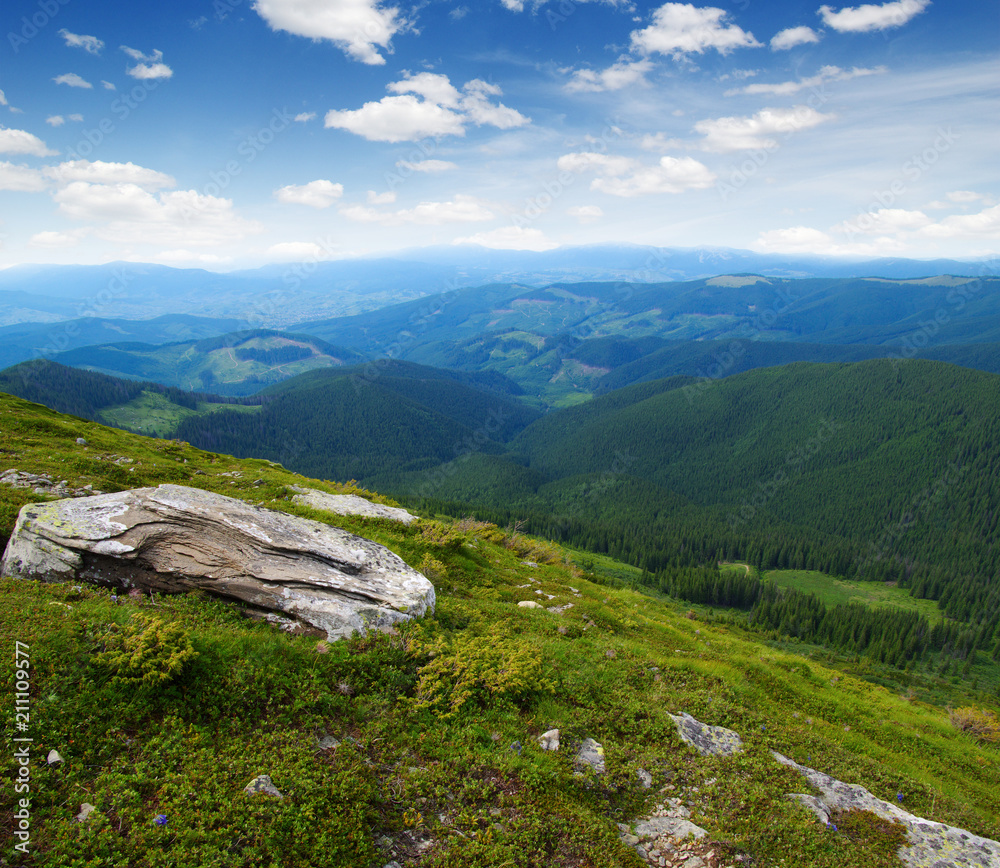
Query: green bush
point(147, 652)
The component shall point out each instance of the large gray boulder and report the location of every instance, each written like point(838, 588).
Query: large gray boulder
point(929, 844)
point(349, 504)
point(171, 539)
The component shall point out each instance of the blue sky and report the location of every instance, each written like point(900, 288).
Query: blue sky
point(231, 133)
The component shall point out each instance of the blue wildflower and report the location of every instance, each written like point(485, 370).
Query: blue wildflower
point(160, 820)
point(899, 797)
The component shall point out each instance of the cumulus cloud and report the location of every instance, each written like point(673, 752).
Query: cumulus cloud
point(884, 221)
point(827, 73)
point(792, 36)
point(126, 213)
point(461, 209)
point(617, 76)
point(722, 135)
point(985, 224)
point(54, 240)
point(149, 66)
point(90, 44)
point(429, 166)
point(511, 238)
point(22, 142)
point(315, 194)
point(863, 19)
point(20, 178)
point(586, 213)
point(73, 80)
point(296, 251)
point(679, 29)
point(100, 172)
point(358, 27)
point(55, 120)
point(427, 105)
point(623, 176)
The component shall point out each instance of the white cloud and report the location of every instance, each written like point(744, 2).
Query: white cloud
point(304, 117)
point(805, 240)
point(75, 117)
point(792, 36)
point(426, 166)
point(126, 213)
point(22, 142)
point(20, 178)
point(315, 194)
point(884, 221)
point(150, 66)
point(296, 251)
point(108, 85)
point(54, 240)
point(3, 98)
point(55, 120)
point(622, 176)
point(586, 213)
point(964, 196)
point(862, 19)
point(100, 172)
point(90, 44)
point(615, 77)
point(461, 209)
point(72, 79)
point(745, 133)
point(438, 109)
point(374, 198)
point(358, 27)
point(182, 255)
point(659, 142)
point(985, 224)
point(827, 73)
point(682, 28)
point(511, 238)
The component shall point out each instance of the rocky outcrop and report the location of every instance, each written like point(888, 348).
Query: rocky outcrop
point(349, 504)
point(298, 572)
point(707, 740)
point(929, 844)
point(42, 483)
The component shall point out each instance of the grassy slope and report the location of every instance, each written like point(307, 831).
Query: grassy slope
point(255, 699)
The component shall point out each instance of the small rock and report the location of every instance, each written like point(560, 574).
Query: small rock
point(54, 757)
point(529, 604)
point(86, 809)
point(80, 441)
point(590, 755)
point(262, 784)
point(645, 778)
point(549, 740)
point(327, 742)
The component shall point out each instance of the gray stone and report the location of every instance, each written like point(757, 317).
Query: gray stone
point(590, 755)
point(549, 740)
point(327, 742)
point(645, 778)
point(80, 441)
point(812, 804)
point(86, 809)
point(707, 740)
point(262, 785)
point(930, 844)
point(530, 604)
point(54, 757)
point(674, 827)
point(348, 504)
point(173, 539)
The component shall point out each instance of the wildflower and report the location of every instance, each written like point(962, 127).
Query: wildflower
point(899, 797)
point(160, 820)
